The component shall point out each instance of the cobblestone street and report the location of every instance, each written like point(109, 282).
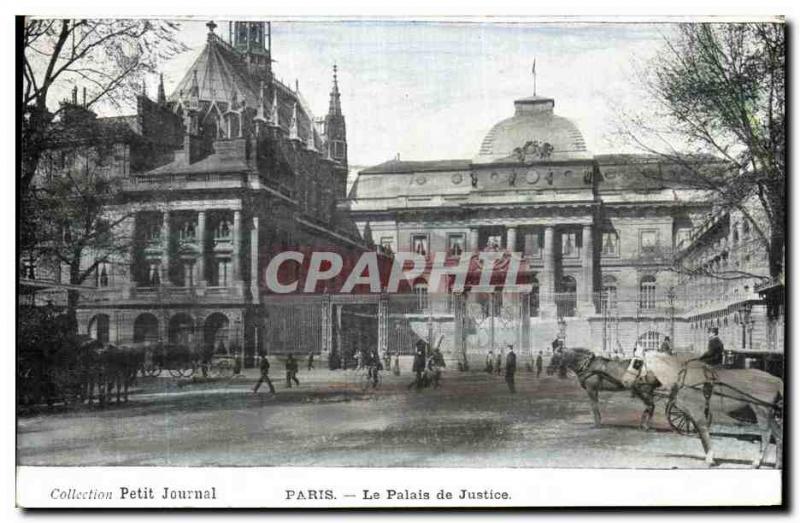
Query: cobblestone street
point(472, 421)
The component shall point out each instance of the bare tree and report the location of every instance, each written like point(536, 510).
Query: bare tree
point(108, 57)
point(718, 91)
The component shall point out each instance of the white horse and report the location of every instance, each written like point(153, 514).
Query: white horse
point(706, 395)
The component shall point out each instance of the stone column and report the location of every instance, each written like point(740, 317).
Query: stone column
point(165, 233)
point(473, 239)
point(200, 266)
point(547, 305)
point(130, 283)
point(254, 261)
point(585, 303)
point(511, 239)
point(237, 244)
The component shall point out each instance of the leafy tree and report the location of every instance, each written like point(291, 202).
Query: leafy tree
point(718, 90)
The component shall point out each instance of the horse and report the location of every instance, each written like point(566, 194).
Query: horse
point(121, 364)
point(703, 394)
point(597, 373)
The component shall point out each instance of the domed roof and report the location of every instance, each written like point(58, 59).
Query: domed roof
point(534, 132)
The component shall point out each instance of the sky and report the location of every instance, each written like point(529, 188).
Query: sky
point(432, 90)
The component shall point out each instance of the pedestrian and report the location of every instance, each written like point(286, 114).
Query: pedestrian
point(435, 365)
point(264, 368)
point(291, 371)
point(539, 365)
point(511, 368)
point(310, 361)
point(490, 361)
point(666, 346)
point(498, 367)
point(714, 354)
point(419, 366)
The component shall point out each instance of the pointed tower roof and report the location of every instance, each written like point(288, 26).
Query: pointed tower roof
point(218, 73)
point(335, 104)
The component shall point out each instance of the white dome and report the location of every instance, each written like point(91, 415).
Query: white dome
point(533, 121)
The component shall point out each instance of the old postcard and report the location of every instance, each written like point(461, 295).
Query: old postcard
point(477, 262)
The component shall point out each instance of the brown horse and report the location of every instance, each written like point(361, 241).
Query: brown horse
point(596, 373)
point(707, 394)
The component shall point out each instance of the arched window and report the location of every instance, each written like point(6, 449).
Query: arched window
point(566, 298)
point(647, 293)
point(99, 328)
point(609, 296)
point(216, 335)
point(181, 330)
point(145, 328)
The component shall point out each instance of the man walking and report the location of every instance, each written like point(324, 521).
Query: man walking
point(490, 361)
point(435, 365)
point(264, 368)
point(499, 362)
point(419, 366)
point(291, 371)
point(511, 368)
point(539, 365)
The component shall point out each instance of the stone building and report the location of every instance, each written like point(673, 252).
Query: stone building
point(227, 170)
point(724, 282)
point(597, 235)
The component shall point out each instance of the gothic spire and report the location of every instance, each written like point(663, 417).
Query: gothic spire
point(335, 105)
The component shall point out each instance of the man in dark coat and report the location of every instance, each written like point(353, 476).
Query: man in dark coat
point(435, 365)
point(310, 361)
point(511, 368)
point(714, 353)
point(666, 346)
point(419, 366)
point(539, 365)
point(291, 371)
point(264, 368)
point(498, 368)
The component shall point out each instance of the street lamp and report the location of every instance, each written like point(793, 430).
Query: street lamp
point(671, 300)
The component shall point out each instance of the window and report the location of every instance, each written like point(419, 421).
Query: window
point(188, 231)
point(154, 278)
point(569, 244)
point(455, 244)
point(29, 267)
point(421, 292)
point(649, 341)
point(419, 244)
point(223, 229)
point(566, 298)
point(647, 293)
point(610, 246)
point(102, 271)
point(534, 244)
point(609, 296)
point(648, 242)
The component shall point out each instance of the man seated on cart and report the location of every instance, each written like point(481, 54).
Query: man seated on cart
point(714, 354)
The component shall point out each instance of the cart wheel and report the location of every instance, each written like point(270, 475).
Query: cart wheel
point(679, 420)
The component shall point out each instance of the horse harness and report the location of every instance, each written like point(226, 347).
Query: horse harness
point(584, 372)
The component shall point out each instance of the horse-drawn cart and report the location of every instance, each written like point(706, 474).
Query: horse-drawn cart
point(179, 361)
